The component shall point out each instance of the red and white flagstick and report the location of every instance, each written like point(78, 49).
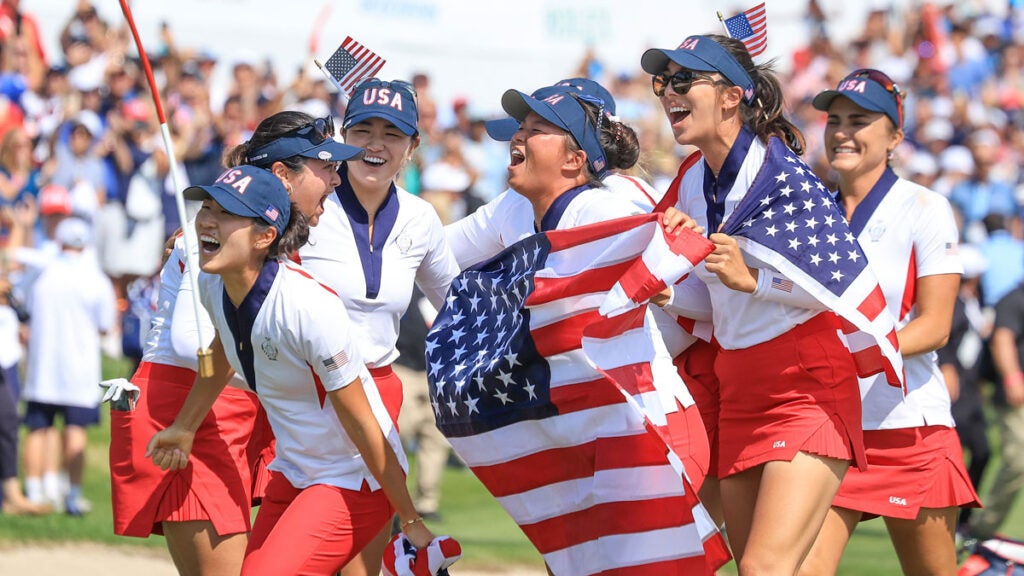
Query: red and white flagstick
point(204, 353)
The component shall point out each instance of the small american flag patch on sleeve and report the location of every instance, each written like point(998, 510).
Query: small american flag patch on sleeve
point(952, 248)
point(336, 361)
point(782, 284)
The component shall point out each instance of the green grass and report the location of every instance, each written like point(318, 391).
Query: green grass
point(489, 538)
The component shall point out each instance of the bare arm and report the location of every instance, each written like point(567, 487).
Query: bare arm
point(356, 416)
point(170, 448)
point(935, 299)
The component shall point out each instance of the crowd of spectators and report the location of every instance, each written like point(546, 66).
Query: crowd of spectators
point(79, 136)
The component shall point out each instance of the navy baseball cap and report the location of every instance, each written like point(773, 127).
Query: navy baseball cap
point(871, 90)
point(394, 101)
point(563, 110)
point(503, 129)
point(248, 191)
point(313, 140)
point(702, 54)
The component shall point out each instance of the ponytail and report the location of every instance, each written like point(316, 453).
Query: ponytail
point(765, 116)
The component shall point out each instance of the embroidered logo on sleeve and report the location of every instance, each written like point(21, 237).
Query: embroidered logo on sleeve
point(336, 361)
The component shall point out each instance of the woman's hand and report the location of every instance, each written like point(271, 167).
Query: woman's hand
point(674, 219)
point(727, 262)
point(418, 534)
point(170, 447)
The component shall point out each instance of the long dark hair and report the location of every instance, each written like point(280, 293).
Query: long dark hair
point(618, 140)
point(270, 129)
point(765, 116)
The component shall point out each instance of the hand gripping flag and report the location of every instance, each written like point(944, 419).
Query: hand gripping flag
point(401, 558)
point(751, 28)
point(352, 62)
point(541, 375)
point(790, 221)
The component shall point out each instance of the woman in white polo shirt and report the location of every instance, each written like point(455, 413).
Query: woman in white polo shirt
point(375, 240)
point(338, 474)
point(915, 478)
point(510, 218)
point(204, 512)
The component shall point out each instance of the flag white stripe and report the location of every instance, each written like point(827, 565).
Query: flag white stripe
point(622, 550)
point(527, 437)
point(605, 486)
point(558, 310)
point(571, 367)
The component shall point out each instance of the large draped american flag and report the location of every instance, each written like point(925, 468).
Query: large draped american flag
point(540, 375)
point(789, 220)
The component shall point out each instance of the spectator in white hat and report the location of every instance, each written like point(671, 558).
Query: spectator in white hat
point(71, 306)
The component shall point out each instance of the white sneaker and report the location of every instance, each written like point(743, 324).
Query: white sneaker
point(77, 506)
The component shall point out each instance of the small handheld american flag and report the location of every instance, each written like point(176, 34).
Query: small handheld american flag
point(350, 63)
point(751, 28)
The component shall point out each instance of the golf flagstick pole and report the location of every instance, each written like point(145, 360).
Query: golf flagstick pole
point(204, 353)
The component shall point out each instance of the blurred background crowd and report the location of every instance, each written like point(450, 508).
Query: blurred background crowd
point(79, 138)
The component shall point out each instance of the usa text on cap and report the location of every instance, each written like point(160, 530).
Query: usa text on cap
point(394, 101)
point(248, 191)
point(871, 90)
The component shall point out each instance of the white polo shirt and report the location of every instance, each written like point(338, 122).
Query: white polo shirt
point(909, 235)
point(740, 319)
point(172, 338)
point(292, 339)
point(376, 281)
point(70, 304)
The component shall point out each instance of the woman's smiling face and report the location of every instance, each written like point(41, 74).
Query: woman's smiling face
point(387, 150)
point(858, 140)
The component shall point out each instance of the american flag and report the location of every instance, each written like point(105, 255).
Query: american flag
point(542, 376)
point(336, 361)
point(790, 221)
point(751, 28)
point(352, 62)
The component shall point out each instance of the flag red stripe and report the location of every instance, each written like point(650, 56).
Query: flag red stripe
point(586, 282)
point(564, 335)
point(609, 328)
point(688, 243)
point(869, 361)
point(893, 338)
point(639, 281)
point(560, 464)
point(606, 519)
point(584, 396)
point(625, 375)
point(873, 305)
point(690, 566)
point(562, 239)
